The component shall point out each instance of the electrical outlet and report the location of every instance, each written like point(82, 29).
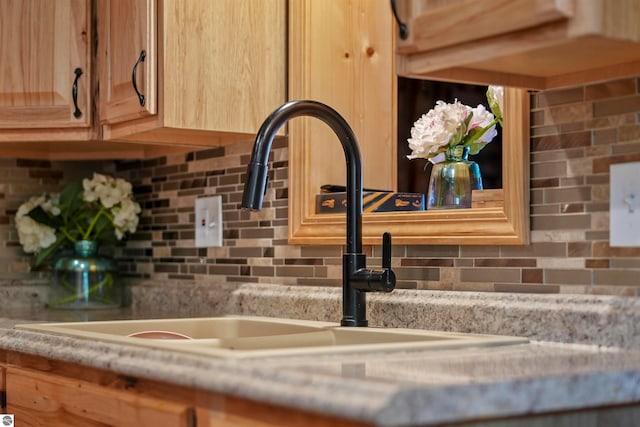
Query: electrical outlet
point(624, 204)
point(208, 224)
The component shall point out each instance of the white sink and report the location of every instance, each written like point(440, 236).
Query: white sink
point(254, 337)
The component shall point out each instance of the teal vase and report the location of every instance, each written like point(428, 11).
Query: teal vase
point(85, 280)
point(452, 181)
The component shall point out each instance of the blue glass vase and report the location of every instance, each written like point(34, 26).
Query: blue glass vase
point(85, 280)
point(452, 181)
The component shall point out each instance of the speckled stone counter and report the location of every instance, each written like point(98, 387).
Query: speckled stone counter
point(594, 361)
point(584, 319)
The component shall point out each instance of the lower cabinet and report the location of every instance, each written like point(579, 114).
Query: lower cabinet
point(38, 398)
point(48, 393)
point(43, 392)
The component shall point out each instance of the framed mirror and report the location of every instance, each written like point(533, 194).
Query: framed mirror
point(361, 44)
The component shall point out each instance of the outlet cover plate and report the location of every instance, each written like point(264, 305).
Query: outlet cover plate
point(208, 223)
point(624, 205)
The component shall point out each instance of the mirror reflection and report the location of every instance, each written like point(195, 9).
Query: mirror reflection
point(415, 98)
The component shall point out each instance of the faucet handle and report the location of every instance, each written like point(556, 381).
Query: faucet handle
point(383, 280)
point(389, 277)
point(386, 251)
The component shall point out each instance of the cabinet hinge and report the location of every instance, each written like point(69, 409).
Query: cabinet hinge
point(3, 399)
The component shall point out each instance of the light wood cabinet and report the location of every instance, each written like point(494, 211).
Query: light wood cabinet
point(52, 393)
point(351, 68)
point(37, 398)
point(172, 75)
point(127, 57)
point(45, 63)
point(220, 69)
point(536, 44)
point(48, 392)
point(47, 89)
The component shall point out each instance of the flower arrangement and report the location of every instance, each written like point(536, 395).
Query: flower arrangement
point(456, 125)
point(100, 209)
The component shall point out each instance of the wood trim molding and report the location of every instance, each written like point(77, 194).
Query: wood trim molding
point(505, 225)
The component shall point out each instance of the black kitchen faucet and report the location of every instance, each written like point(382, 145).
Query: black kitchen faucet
point(356, 278)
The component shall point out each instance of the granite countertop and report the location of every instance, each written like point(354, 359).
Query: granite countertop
point(572, 365)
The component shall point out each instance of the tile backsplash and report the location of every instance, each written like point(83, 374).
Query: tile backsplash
point(576, 133)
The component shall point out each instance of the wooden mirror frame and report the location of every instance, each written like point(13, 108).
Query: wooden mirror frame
point(504, 225)
point(507, 224)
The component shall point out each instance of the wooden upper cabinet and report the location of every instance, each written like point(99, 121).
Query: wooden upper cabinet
point(127, 51)
point(169, 75)
point(45, 88)
point(537, 44)
point(221, 69)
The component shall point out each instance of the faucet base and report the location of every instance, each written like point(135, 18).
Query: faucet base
point(350, 321)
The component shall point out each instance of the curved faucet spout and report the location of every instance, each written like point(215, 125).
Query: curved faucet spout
point(256, 183)
point(356, 278)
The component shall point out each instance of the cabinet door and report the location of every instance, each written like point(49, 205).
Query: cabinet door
point(42, 44)
point(127, 59)
point(39, 399)
point(224, 64)
point(221, 71)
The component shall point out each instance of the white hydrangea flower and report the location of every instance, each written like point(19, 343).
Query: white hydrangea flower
point(28, 206)
point(110, 191)
point(34, 236)
point(125, 217)
point(51, 204)
point(104, 197)
point(114, 194)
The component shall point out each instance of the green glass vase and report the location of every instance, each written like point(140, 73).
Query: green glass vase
point(85, 280)
point(452, 181)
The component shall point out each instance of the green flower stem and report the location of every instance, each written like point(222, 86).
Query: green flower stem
point(106, 213)
point(102, 211)
point(107, 282)
point(440, 197)
point(67, 234)
point(79, 230)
